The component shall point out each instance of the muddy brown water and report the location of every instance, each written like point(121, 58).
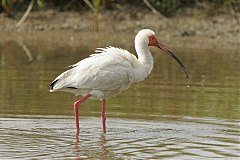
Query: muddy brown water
point(159, 118)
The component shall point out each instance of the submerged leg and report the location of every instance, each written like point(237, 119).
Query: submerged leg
point(103, 115)
point(76, 105)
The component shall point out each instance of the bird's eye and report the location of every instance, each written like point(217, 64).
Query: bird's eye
point(152, 38)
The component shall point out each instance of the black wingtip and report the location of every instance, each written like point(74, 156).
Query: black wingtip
point(52, 84)
point(72, 87)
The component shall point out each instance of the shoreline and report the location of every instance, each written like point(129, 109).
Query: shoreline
point(196, 30)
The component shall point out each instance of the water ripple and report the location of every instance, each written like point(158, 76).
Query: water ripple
point(53, 137)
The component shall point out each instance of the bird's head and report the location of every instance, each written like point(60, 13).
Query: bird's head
point(148, 37)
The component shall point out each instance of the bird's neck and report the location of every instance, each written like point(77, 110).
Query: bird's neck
point(144, 56)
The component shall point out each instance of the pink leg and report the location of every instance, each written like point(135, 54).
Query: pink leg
point(76, 105)
point(103, 115)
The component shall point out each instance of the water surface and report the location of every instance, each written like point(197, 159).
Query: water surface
point(159, 118)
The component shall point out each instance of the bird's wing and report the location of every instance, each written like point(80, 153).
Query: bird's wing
point(109, 69)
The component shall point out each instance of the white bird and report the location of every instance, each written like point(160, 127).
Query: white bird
point(110, 71)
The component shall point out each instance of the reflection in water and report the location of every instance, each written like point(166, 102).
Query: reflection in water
point(171, 137)
point(165, 118)
point(103, 150)
point(103, 144)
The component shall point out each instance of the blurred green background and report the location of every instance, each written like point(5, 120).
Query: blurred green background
point(166, 7)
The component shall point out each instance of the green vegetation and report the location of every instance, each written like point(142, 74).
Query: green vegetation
point(165, 7)
point(168, 7)
point(96, 11)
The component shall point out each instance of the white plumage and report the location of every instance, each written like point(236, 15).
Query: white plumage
point(106, 73)
point(110, 71)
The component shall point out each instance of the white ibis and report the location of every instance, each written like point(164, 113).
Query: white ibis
point(110, 71)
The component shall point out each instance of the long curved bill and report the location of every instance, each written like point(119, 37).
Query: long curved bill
point(172, 54)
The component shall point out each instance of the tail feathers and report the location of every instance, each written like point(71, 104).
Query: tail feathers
point(64, 81)
point(52, 85)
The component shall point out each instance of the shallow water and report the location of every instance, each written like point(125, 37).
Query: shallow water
point(159, 118)
point(171, 137)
